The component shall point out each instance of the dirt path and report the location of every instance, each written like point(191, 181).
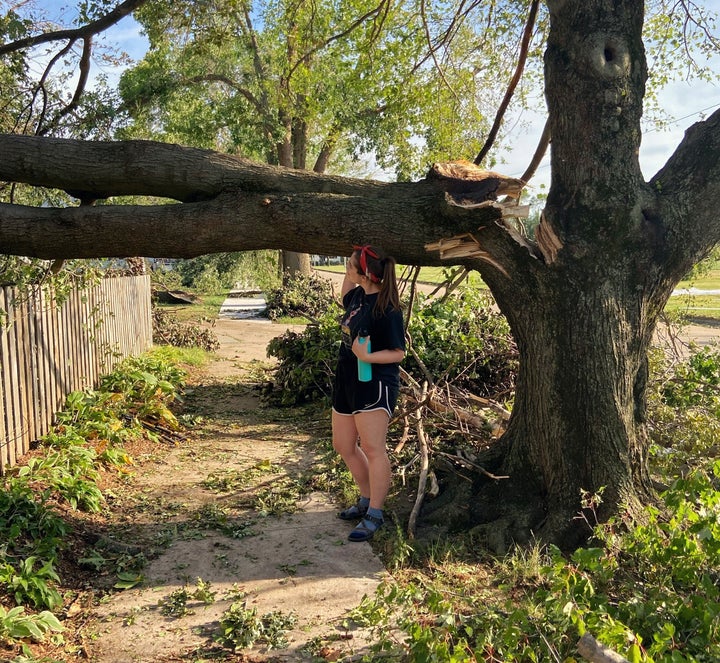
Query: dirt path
point(176, 508)
point(297, 563)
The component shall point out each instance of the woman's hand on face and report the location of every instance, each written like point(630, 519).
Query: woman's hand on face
point(360, 349)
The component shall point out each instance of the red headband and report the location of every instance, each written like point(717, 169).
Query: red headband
point(366, 251)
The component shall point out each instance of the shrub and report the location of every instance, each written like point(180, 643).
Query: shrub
point(460, 338)
point(15, 625)
point(31, 532)
point(651, 593)
point(301, 296)
point(27, 525)
point(29, 584)
point(168, 330)
point(696, 382)
point(684, 410)
point(463, 339)
point(307, 361)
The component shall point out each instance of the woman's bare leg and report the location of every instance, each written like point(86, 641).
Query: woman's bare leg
point(345, 436)
point(372, 427)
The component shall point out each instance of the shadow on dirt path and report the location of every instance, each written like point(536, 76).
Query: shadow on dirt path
point(196, 511)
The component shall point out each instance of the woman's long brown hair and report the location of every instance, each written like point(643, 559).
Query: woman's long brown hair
point(380, 268)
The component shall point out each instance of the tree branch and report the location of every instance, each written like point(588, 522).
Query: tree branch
point(231, 204)
point(522, 58)
point(95, 27)
point(379, 10)
point(220, 78)
point(687, 191)
point(79, 88)
point(539, 153)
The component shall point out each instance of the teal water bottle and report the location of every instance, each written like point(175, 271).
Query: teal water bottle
point(364, 369)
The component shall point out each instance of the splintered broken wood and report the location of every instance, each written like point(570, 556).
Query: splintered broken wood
point(466, 181)
point(460, 246)
point(591, 650)
point(471, 187)
point(463, 246)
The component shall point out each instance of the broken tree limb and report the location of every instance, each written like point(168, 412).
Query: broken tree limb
point(405, 435)
point(482, 402)
point(591, 650)
point(440, 403)
point(424, 467)
point(467, 463)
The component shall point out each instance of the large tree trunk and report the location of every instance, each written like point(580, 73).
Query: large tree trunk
point(577, 423)
point(582, 328)
point(295, 263)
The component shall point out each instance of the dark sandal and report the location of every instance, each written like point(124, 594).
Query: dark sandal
point(366, 528)
point(354, 512)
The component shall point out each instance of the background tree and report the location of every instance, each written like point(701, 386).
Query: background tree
point(309, 85)
point(582, 298)
point(44, 77)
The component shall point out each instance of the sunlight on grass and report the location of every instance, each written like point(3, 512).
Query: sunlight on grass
point(432, 275)
point(710, 281)
point(698, 305)
point(191, 356)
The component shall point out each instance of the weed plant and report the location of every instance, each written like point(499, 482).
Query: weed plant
point(87, 438)
point(243, 627)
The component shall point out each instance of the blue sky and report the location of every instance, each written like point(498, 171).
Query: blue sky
point(686, 103)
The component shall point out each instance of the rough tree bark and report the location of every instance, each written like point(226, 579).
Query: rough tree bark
point(582, 300)
point(613, 248)
point(229, 204)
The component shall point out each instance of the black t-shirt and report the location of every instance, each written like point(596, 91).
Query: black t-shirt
point(386, 333)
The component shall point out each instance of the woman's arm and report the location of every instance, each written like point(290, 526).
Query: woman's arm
point(347, 286)
point(380, 357)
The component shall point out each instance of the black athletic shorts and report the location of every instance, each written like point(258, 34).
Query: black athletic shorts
point(352, 397)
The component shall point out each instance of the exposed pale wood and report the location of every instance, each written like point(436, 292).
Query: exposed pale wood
point(516, 211)
point(591, 650)
point(464, 246)
point(548, 242)
point(471, 179)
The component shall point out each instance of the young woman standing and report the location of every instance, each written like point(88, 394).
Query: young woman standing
point(362, 409)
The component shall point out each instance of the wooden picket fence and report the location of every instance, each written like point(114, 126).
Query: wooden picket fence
point(49, 350)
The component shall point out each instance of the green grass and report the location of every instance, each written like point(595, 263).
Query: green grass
point(208, 308)
point(432, 275)
point(698, 306)
point(711, 281)
point(192, 356)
